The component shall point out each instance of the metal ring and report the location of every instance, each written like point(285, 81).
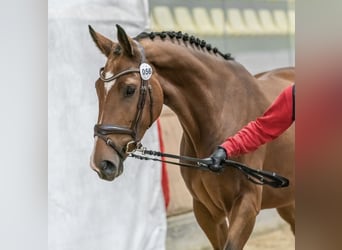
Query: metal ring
point(108, 141)
point(127, 149)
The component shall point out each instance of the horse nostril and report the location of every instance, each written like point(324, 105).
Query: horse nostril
point(107, 167)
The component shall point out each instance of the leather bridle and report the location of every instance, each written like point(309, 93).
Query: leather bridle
point(103, 130)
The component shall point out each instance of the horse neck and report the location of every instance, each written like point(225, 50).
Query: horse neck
point(211, 96)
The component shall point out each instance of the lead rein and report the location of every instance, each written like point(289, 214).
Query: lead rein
point(260, 177)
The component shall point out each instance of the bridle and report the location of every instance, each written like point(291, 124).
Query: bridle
point(103, 130)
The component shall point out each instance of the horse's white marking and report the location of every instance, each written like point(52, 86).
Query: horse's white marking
point(101, 117)
point(109, 85)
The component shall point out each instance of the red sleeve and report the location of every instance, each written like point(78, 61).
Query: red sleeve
point(276, 119)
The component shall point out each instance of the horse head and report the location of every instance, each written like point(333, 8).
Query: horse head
point(130, 100)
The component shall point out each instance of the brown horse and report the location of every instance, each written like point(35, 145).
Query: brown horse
point(213, 97)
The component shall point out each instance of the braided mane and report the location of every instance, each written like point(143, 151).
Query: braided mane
point(185, 37)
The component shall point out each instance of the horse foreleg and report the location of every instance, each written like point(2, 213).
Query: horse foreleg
point(241, 221)
point(288, 214)
point(215, 230)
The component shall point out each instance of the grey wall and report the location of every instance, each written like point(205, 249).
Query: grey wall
point(86, 212)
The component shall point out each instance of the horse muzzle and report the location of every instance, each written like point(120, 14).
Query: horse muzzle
point(107, 170)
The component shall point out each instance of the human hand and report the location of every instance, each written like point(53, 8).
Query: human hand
point(217, 157)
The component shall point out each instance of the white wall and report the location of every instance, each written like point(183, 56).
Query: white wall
point(86, 212)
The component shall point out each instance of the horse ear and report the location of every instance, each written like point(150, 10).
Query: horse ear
point(125, 41)
point(102, 42)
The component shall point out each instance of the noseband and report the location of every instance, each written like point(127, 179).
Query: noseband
point(103, 130)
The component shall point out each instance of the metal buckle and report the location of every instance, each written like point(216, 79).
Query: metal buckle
point(129, 148)
point(140, 149)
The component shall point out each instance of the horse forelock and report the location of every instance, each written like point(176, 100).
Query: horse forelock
point(184, 37)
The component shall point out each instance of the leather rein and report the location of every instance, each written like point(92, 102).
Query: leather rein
point(260, 177)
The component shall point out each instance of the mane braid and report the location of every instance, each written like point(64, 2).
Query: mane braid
point(185, 37)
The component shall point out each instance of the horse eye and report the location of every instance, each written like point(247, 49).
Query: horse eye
point(129, 91)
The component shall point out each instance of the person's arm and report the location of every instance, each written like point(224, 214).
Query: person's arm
point(276, 119)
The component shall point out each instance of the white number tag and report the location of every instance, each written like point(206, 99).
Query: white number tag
point(145, 71)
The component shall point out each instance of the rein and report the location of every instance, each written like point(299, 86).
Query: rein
point(260, 177)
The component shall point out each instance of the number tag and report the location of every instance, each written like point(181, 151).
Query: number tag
point(145, 71)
